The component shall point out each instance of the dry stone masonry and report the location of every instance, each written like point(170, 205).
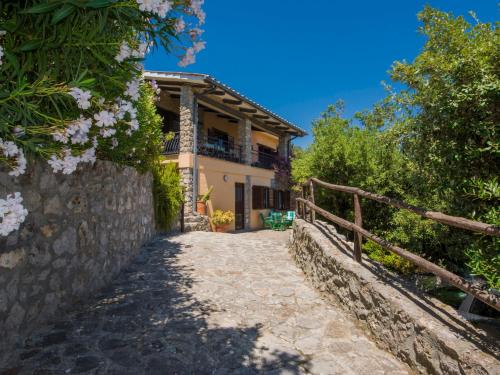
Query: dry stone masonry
point(426, 334)
point(81, 230)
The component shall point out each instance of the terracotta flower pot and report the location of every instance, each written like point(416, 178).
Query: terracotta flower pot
point(220, 228)
point(201, 207)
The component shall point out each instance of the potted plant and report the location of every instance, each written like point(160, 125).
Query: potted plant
point(222, 218)
point(201, 203)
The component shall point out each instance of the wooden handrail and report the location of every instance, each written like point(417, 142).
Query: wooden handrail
point(459, 222)
point(454, 221)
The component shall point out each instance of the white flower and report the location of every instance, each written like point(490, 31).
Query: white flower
point(114, 143)
point(133, 89)
point(66, 165)
point(78, 130)
point(107, 132)
point(105, 118)
point(10, 150)
point(124, 107)
point(60, 136)
point(198, 46)
point(82, 97)
point(125, 52)
point(188, 58)
point(89, 155)
point(19, 131)
point(198, 12)
point(158, 7)
point(12, 213)
point(180, 25)
point(1, 54)
point(141, 51)
point(134, 125)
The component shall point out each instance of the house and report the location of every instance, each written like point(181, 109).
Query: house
point(225, 140)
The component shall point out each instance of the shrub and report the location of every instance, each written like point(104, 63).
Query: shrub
point(167, 194)
point(390, 260)
point(220, 217)
point(70, 78)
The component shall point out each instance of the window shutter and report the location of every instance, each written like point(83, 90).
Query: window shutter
point(255, 192)
point(286, 200)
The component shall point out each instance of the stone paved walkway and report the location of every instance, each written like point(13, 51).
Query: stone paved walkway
point(206, 303)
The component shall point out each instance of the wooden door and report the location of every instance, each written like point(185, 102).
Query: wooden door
point(239, 205)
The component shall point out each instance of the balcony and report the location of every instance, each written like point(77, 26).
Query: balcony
point(262, 159)
point(228, 150)
point(172, 145)
point(219, 148)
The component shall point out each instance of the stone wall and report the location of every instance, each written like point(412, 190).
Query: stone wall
point(426, 334)
point(81, 230)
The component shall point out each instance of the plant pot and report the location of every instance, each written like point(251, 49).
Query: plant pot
point(201, 208)
point(220, 228)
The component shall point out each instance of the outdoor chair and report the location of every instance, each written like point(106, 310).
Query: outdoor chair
point(278, 221)
point(289, 218)
point(266, 221)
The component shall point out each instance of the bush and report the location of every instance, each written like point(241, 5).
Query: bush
point(390, 260)
point(168, 194)
point(220, 217)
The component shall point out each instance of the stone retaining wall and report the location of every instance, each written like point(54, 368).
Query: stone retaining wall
point(81, 230)
point(426, 334)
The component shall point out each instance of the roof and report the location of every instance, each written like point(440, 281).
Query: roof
point(243, 105)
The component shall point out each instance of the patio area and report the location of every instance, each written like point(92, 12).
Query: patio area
point(206, 303)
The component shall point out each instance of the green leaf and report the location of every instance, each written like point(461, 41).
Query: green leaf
point(62, 13)
point(31, 45)
point(98, 4)
point(12, 59)
point(41, 8)
point(87, 82)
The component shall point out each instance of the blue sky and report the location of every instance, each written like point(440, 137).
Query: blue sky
point(296, 57)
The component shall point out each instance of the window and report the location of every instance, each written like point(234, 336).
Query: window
point(281, 200)
point(260, 197)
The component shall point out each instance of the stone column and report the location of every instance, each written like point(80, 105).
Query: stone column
point(284, 146)
point(248, 200)
point(187, 143)
point(245, 140)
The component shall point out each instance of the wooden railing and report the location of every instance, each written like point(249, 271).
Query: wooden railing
point(306, 203)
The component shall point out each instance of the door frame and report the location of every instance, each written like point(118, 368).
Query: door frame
point(239, 207)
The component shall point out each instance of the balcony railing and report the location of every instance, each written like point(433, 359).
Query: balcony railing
point(263, 159)
point(216, 147)
point(172, 145)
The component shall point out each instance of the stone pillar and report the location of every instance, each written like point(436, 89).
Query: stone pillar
point(248, 200)
point(284, 146)
point(245, 140)
point(187, 144)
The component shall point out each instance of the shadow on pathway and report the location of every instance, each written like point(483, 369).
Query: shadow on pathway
point(147, 322)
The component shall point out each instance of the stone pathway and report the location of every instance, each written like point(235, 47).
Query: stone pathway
point(206, 303)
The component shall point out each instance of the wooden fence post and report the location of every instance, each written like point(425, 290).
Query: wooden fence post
point(303, 205)
point(311, 191)
point(358, 220)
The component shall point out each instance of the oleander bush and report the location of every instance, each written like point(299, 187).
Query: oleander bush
point(70, 82)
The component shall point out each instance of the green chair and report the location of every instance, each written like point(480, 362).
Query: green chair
point(289, 218)
point(266, 221)
point(278, 222)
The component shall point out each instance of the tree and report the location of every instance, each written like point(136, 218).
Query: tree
point(453, 132)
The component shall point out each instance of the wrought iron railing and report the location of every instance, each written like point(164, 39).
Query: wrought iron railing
point(216, 147)
point(172, 145)
point(263, 159)
point(219, 148)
